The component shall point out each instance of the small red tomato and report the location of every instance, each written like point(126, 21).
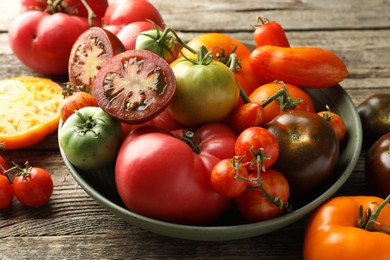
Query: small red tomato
point(257, 204)
point(33, 186)
point(257, 145)
point(6, 192)
point(76, 101)
point(245, 116)
point(228, 177)
point(336, 122)
point(270, 33)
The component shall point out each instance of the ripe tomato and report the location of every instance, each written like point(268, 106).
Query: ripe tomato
point(134, 86)
point(377, 167)
point(6, 192)
point(374, 114)
point(92, 49)
point(72, 7)
point(175, 187)
point(221, 45)
point(228, 177)
point(336, 122)
point(43, 41)
point(245, 116)
point(205, 92)
point(297, 99)
point(79, 142)
point(255, 205)
point(33, 186)
point(310, 150)
point(74, 102)
point(269, 33)
point(128, 34)
point(258, 146)
point(124, 12)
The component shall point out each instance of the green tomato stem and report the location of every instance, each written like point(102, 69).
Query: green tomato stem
point(371, 218)
point(91, 14)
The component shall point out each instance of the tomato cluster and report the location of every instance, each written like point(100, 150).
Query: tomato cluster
point(200, 128)
point(32, 186)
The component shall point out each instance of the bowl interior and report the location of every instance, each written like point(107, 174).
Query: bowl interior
point(100, 184)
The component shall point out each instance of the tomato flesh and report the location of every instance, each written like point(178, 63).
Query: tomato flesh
point(134, 86)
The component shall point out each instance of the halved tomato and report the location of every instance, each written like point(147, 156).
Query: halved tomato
point(91, 50)
point(134, 86)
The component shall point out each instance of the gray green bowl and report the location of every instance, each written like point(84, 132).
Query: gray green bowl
point(100, 185)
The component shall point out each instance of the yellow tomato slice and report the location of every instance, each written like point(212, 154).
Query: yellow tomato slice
point(29, 110)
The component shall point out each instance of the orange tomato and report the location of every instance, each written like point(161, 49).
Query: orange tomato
point(29, 110)
point(275, 107)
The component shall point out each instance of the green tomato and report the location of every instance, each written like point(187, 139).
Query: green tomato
point(90, 138)
point(204, 92)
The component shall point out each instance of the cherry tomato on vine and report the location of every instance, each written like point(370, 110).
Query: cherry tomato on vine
point(245, 116)
point(257, 204)
point(258, 146)
point(6, 192)
point(336, 122)
point(294, 98)
point(269, 33)
point(33, 186)
point(134, 86)
point(228, 177)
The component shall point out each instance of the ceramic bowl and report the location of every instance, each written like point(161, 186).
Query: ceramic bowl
point(100, 185)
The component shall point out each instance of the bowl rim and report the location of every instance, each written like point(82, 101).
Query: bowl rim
point(228, 232)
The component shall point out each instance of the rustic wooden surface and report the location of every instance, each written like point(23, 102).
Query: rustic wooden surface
point(73, 226)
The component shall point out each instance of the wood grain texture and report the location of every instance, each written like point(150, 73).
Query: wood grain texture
point(73, 226)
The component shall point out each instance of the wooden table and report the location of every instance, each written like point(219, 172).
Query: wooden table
point(73, 226)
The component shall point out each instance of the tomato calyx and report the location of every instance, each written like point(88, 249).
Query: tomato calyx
point(282, 97)
point(17, 170)
point(192, 139)
point(368, 220)
point(86, 125)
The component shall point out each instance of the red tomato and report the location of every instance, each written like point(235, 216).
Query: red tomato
point(336, 122)
point(228, 177)
point(270, 33)
point(92, 49)
point(72, 7)
point(245, 116)
point(128, 34)
point(33, 186)
point(74, 102)
point(43, 41)
point(134, 86)
point(257, 145)
point(123, 12)
point(162, 177)
point(298, 99)
point(6, 192)
point(254, 205)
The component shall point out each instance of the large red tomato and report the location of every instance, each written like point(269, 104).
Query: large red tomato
point(158, 175)
point(43, 41)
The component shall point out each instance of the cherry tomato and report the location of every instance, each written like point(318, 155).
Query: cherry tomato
point(258, 146)
point(228, 177)
point(124, 12)
point(6, 192)
point(336, 122)
point(374, 114)
point(377, 167)
point(33, 186)
point(255, 205)
point(296, 99)
point(310, 150)
point(74, 102)
point(92, 49)
point(269, 33)
point(245, 116)
point(43, 41)
point(160, 176)
point(134, 86)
